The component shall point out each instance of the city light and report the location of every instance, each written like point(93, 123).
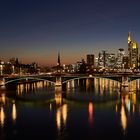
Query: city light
point(69, 69)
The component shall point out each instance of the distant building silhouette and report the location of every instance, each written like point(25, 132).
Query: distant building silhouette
point(90, 59)
point(58, 68)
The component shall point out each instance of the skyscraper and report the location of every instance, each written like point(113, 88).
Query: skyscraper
point(120, 55)
point(132, 52)
point(90, 59)
point(106, 60)
point(110, 60)
point(102, 59)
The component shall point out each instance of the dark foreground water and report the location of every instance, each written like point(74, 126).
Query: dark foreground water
point(86, 109)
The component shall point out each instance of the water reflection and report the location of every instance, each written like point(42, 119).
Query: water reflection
point(61, 112)
point(14, 112)
point(58, 95)
point(50, 106)
point(58, 119)
point(64, 112)
point(94, 89)
point(98, 86)
point(32, 87)
point(126, 108)
point(91, 113)
point(123, 118)
point(61, 117)
point(87, 84)
point(4, 103)
point(134, 86)
point(2, 99)
point(2, 116)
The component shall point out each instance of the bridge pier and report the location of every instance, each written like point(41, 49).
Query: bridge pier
point(2, 82)
point(124, 81)
point(58, 95)
point(58, 81)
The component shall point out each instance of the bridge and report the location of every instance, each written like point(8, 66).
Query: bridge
point(61, 79)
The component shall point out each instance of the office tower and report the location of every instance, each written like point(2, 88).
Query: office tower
point(110, 60)
point(125, 62)
point(119, 60)
point(90, 59)
point(102, 59)
point(132, 52)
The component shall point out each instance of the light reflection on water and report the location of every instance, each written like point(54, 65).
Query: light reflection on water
point(14, 112)
point(2, 116)
point(123, 118)
point(82, 111)
point(127, 109)
point(91, 113)
point(61, 117)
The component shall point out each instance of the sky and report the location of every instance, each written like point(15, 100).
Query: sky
point(36, 30)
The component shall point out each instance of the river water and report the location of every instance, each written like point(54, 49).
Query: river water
point(85, 109)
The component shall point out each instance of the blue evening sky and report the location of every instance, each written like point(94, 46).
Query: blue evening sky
point(35, 30)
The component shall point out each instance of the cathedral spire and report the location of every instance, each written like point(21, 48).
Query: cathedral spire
point(129, 37)
point(58, 61)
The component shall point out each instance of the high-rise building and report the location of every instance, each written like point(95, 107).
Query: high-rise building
point(106, 60)
point(102, 59)
point(139, 61)
point(119, 60)
point(132, 52)
point(110, 60)
point(125, 62)
point(96, 62)
point(90, 59)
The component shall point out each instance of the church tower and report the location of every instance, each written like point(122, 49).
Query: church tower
point(58, 60)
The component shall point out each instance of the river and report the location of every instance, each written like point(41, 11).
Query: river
point(86, 109)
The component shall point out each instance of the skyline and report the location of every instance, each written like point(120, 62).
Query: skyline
point(38, 30)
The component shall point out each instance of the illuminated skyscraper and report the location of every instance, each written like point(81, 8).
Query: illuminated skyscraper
point(132, 52)
point(120, 55)
point(106, 60)
point(110, 60)
point(102, 59)
point(129, 38)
